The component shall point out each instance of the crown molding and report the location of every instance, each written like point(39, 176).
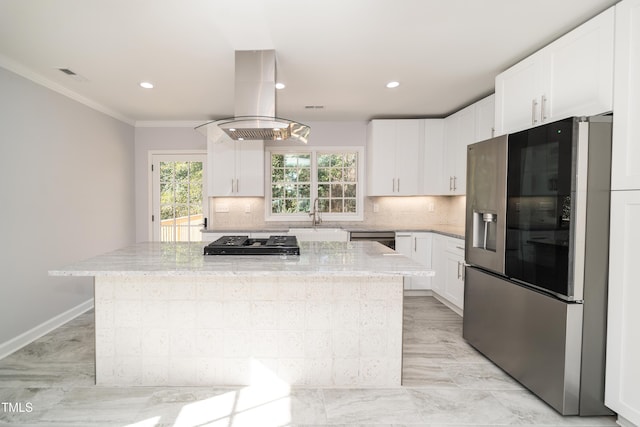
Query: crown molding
point(168, 123)
point(27, 73)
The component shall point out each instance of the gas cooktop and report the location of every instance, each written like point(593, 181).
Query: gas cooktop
point(243, 245)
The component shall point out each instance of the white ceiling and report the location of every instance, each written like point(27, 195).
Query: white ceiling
point(334, 53)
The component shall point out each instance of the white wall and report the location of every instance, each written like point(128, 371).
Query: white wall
point(66, 193)
point(157, 139)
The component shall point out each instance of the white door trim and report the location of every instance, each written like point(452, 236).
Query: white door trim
point(151, 155)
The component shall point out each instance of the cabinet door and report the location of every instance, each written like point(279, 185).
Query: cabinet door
point(404, 245)
point(579, 71)
point(433, 171)
point(439, 264)
point(249, 169)
point(422, 247)
point(518, 95)
point(625, 173)
point(381, 158)
point(459, 132)
point(623, 347)
point(454, 279)
point(466, 136)
point(222, 165)
point(451, 138)
point(407, 157)
point(485, 113)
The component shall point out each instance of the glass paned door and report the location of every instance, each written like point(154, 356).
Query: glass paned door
point(179, 197)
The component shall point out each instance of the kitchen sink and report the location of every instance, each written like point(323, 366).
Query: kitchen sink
point(319, 234)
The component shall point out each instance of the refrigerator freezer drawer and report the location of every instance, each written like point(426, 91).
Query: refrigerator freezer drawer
point(533, 337)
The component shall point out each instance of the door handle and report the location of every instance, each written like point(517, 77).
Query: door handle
point(454, 183)
point(543, 108)
point(534, 107)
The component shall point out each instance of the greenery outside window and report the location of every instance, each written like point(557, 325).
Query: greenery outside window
point(333, 176)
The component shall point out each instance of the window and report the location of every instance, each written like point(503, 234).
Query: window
point(337, 182)
point(298, 177)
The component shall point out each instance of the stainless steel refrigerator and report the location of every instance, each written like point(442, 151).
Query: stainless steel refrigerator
point(537, 224)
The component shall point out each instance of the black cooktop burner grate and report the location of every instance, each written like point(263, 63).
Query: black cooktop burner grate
point(243, 245)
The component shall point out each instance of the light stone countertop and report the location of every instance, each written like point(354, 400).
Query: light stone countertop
point(187, 259)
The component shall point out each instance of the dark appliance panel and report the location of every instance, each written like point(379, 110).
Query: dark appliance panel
point(539, 206)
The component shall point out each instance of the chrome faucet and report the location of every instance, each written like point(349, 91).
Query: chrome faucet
point(315, 213)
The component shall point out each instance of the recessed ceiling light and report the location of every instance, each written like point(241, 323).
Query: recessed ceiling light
point(146, 85)
point(280, 86)
point(391, 85)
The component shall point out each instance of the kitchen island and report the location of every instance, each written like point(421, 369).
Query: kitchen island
point(165, 314)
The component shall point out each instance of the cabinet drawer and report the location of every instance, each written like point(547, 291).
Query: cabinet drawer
point(455, 246)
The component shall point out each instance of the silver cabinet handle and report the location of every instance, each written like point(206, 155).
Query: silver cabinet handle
point(393, 186)
point(455, 187)
point(458, 270)
point(460, 247)
point(450, 185)
point(543, 108)
point(415, 244)
point(398, 185)
point(232, 186)
point(534, 107)
point(237, 185)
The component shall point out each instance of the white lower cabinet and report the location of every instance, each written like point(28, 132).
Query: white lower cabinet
point(416, 246)
point(448, 264)
point(622, 393)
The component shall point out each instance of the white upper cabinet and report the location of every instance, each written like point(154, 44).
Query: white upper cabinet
point(433, 173)
point(571, 76)
point(394, 153)
point(459, 131)
point(626, 124)
point(485, 114)
point(236, 168)
point(518, 92)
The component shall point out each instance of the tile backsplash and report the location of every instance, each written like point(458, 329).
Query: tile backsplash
point(379, 212)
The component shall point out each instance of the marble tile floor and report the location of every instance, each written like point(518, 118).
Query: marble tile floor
point(445, 383)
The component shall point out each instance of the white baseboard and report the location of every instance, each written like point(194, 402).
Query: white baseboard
point(15, 344)
point(622, 421)
point(448, 303)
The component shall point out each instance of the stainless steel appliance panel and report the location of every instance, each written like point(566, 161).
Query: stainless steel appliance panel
point(387, 238)
point(543, 319)
point(533, 337)
point(486, 203)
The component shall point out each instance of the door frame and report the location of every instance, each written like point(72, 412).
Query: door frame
point(152, 155)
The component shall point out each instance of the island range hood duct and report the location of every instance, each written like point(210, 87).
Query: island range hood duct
point(255, 103)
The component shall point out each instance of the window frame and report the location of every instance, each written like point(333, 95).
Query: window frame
point(314, 151)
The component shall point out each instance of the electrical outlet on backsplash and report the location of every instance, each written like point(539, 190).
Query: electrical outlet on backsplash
point(391, 212)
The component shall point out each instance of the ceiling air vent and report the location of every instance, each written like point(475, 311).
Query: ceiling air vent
point(67, 71)
point(75, 76)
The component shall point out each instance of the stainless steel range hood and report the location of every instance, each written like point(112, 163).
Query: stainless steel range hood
point(255, 103)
